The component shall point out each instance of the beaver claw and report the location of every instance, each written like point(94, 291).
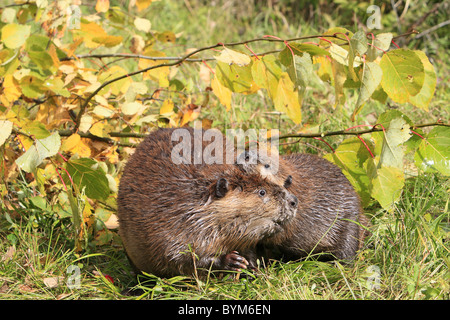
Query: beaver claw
point(233, 261)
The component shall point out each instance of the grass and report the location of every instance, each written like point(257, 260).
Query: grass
point(409, 248)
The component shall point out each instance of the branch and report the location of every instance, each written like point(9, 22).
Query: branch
point(177, 62)
point(353, 133)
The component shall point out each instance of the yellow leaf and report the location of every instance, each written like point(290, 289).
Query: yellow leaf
point(11, 90)
point(142, 24)
point(108, 41)
point(71, 142)
point(100, 129)
point(159, 75)
point(14, 35)
point(102, 5)
point(287, 99)
point(142, 4)
point(76, 145)
point(167, 107)
point(229, 56)
point(222, 92)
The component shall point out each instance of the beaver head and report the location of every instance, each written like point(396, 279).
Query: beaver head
point(254, 208)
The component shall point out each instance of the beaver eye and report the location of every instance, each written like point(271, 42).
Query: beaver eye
point(262, 193)
point(267, 166)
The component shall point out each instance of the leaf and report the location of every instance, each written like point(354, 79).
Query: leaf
point(358, 46)
point(433, 153)
point(230, 57)
point(142, 24)
point(384, 121)
point(234, 77)
point(394, 137)
point(11, 89)
point(223, 93)
point(107, 40)
point(341, 55)
point(386, 185)
point(100, 129)
point(339, 78)
point(371, 78)
point(142, 4)
point(341, 40)
point(5, 130)
point(380, 44)
point(313, 50)
point(159, 74)
point(167, 107)
point(350, 156)
point(102, 6)
point(15, 35)
point(42, 149)
point(423, 98)
point(403, 74)
point(266, 73)
point(86, 174)
point(131, 108)
point(300, 70)
point(286, 99)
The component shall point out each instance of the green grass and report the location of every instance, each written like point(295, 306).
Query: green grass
point(409, 246)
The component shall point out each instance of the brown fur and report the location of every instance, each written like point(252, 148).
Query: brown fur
point(328, 207)
point(216, 211)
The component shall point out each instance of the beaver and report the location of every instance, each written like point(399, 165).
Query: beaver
point(329, 217)
point(175, 219)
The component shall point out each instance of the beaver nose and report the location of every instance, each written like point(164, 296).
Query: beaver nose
point(293, 201)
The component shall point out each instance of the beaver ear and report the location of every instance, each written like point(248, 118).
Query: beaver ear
point(288, 182)
point(221, 187)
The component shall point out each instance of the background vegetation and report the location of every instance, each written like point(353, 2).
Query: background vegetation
point(58, 202)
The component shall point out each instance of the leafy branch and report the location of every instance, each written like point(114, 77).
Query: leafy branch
point(181, 60)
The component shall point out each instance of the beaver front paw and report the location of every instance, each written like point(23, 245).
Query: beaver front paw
point(233, 261)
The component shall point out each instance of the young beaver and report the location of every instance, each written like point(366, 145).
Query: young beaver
point(328, 206)
point(217, 211)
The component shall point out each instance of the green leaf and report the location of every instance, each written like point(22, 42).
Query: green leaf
point(386, 184)
point(287, 100)
point(234, 77)
point(371, 78)
point(86, 174)
point(301, 70)
point(350, 156)
point(266, 73)
point(342, 56)
point(392, 151)
point(433, 153)
point(403, 74)
point(423, 98)
point(313, 50)
point(382, 42)
point(358, 46)
point(43, 148)
point(5, 130)
point(15, 35)
point(384, 120)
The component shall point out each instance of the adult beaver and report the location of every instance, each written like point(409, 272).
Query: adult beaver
point(177, 218)
point(329, 214)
